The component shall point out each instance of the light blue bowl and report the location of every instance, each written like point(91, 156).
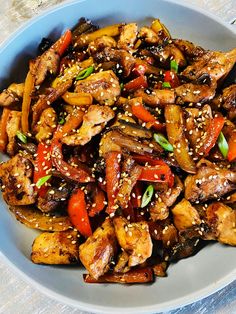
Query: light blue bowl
point(188, 280)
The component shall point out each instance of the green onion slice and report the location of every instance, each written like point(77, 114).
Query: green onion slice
point(147, 196)
point(223, 145)
point(161, 140)
point(85, 73)
point(42, 181)
point(61, 120)
point(174, 66)
point(121, 86)
point(166, 85)
point(22, 137)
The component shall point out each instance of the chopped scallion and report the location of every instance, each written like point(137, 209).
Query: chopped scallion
point(147, 196)
point(223, 145)
point(161, 140)
point(166, 85)
point(42, 181)
point(174, 66)
point(85, 73)
point(61, 120)
point(22, 137)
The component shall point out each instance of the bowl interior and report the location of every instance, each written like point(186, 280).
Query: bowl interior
point(188, 280)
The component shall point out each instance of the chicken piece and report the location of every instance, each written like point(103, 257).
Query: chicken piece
point(194, 93)
point(228, 101)
point(189, 49)
point(93, 123)
point(148, 35)
point(157, 97)
point(56, 248)
point(16, 177)
point(214, 64)
point(197, 121)
point(160, 209)
point(120, 56)
point(185, 215)
point(54, 199)
point(11, 95)
point(103, 86)
point(208, 183)
point(121, 265)
point(166, 53)
point(46, 125)
point(135, 239)
point(128, 36)
point(222, 221)
point(13, 125)
point(100, 43)
point(49, 61)
point(99, 249)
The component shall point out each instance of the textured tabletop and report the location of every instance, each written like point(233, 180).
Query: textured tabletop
point(16, 296)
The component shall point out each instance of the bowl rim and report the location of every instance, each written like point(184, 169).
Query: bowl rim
point(165, 306)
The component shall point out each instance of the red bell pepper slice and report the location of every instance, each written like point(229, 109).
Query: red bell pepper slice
point(43, 166)
point(138, 82)
point(213, 133)
point(80, 174)
point(158, 172)
point(98, 201)
point(140, 112)
point(136, 195)
point(78, 213)
point(139, 69)
point(172, 78)
point(112, 160)
point(63, 42)
point(232, 146)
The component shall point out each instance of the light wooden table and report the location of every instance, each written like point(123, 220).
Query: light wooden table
point(16, 296)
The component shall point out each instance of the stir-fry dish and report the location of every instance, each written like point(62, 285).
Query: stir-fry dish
point(122, 146)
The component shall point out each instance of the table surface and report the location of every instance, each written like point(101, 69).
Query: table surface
point(16, 296)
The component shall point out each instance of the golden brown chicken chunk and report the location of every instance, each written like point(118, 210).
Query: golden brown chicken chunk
point(135, 239)
point(100, 43)
point(185, 215)
point(46, 125)
point(56, 248)
point(12, 94)
point(222, 221)
point(157, 97)
point(128, 36)
point(16, 175)
point(93, 123)
point(210, 182)
point(48, 62)
point(99, 249)
point(103, 86)
point(214, 64)
point(193, 93)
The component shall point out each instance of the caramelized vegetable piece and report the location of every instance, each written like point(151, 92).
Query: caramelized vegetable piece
point(112, 30)
point(28, 90)
point(57, 248)
point(78, 99)
point(143, 275)
point(33, 218)
point(175, 131)
point(112, 160)
point(3, 129)
point(78, 214)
